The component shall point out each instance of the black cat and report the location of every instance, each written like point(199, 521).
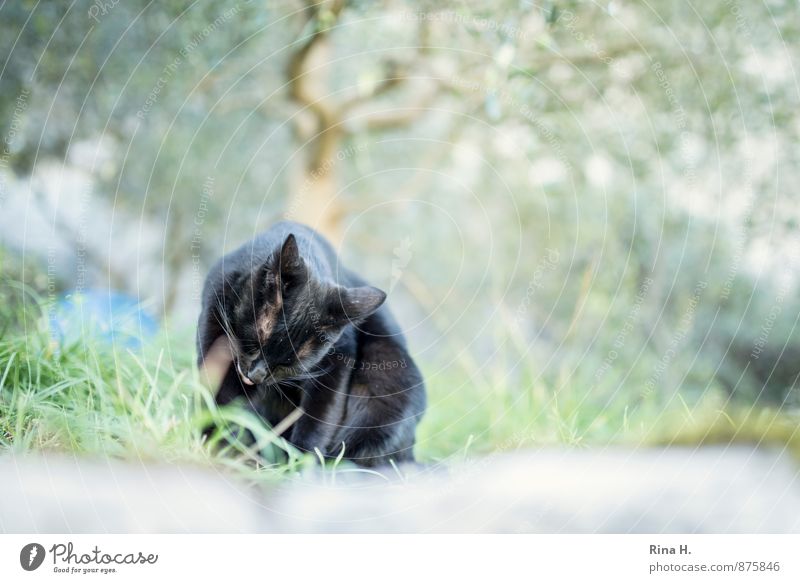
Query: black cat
point(307, 332)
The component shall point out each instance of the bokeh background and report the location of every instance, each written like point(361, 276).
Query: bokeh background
point(584, 213)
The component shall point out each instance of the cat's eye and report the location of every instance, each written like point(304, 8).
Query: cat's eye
point(250, 351)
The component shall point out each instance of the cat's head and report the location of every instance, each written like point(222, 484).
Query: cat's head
point(285, 319)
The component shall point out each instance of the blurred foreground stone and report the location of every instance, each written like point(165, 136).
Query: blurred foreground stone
point(675, 490)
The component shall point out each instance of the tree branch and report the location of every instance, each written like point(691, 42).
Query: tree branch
point(302, 89)
point(424, 93)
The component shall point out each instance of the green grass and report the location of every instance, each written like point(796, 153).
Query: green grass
point(467, 419)
point(151, 405)
point(147, 404)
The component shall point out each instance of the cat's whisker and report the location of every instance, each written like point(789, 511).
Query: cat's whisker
point(226, 330)
point(309, 374)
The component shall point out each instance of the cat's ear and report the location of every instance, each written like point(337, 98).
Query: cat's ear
point(290, 255)
point(352, 304)
point(290, 264)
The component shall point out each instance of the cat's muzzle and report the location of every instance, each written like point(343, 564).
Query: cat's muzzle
point(256, 374)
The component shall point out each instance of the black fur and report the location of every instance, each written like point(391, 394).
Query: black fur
point(309, 333)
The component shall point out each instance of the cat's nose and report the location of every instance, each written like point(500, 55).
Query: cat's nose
point(257, 372)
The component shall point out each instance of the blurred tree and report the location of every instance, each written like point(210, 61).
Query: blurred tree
point(325, 120)
point(459, 142)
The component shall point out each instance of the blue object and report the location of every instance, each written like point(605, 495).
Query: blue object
point(115, 319)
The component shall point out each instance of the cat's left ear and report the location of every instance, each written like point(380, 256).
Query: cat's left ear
point(352, 304)
point(292, 266)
